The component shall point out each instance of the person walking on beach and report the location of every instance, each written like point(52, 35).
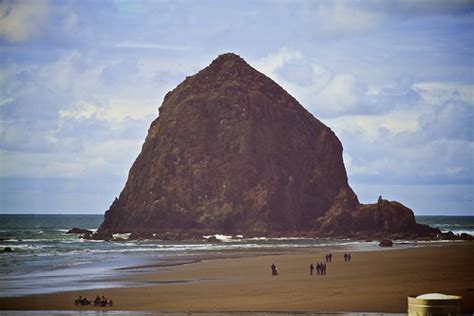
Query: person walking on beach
point(311, 269)
point(345, 256)
point(330, 257)
point(349, 257)
point(318, 268)
point(274, 269)
point(323, 269)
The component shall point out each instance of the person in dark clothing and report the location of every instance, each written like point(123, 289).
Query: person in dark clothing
point(345, 256)
point(349, 257)
point(274, 269)
point(330, 257)
point(318, 268)
point(327, 258)
point(311, 269)
point(324, 269)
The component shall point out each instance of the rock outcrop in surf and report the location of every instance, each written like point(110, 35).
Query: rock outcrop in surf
point(232, 152)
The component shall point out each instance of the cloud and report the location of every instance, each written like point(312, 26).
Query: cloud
point(139, 45)
point(89, 113)
point(427, 144)
point(22, 20)
point(393, 79)
point(6, 101)
point(442, 92)
point(401, 131)
point(115, 111)
point(346, 17)
point(432, 7)
point(343, 94)
point(271, 63)
point(330, 94)
point(451, 120)
point(340, 18)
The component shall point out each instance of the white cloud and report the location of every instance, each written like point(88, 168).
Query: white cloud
point(270, 64)
point(342, 94)
point(6, 101)
point(21, 20)
point(371, 127)
point(323, 92)
point(116, 111)
point(83, 110)
point(130, 44)
point(395, 132)
point(342, 17)
point(441, 92)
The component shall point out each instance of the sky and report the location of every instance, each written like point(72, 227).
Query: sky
point(81, 81)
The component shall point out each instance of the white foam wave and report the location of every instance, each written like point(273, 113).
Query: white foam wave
point(23, 247)
point(462, 231)
point(121, 236)
point(223, 238)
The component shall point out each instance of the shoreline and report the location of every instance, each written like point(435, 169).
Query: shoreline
point(375, 281)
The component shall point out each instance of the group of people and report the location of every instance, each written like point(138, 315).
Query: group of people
point(320, 268)
point(99, 301)
point(103, 301)
point(347, 257)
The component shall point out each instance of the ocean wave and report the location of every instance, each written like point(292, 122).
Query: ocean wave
point(23, 246)
point(463, 231)
point(121, 236)
point(42, 240)
point(277, 238)
point(223, 238)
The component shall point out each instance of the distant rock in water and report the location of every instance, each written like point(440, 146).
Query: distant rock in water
point(232, 152)
point(76, 230)
point(386, 243)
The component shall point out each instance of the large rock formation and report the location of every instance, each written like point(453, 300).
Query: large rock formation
point(232, 152)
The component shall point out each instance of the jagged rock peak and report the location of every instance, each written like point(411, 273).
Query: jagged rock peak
point(228, 59)
point(230, 66)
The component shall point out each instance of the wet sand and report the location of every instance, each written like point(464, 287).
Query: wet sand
point(376, 281)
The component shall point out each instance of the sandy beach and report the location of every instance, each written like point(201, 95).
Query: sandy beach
point(376, 281)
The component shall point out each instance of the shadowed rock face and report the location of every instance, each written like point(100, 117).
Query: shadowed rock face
point(233, 152)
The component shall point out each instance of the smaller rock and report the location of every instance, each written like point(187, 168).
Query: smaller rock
point(76, 230)
point(447, 236)
point(106, 236)
point(213, 239)
point(385, 243)
point(465, 236)
point(86, 236)
point(7, 249)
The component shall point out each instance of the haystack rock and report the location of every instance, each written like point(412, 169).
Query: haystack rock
point(232, 152)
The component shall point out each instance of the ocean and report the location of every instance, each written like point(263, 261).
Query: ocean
point(45, 259)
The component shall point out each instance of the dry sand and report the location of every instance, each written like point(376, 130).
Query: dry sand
point(377, 281)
